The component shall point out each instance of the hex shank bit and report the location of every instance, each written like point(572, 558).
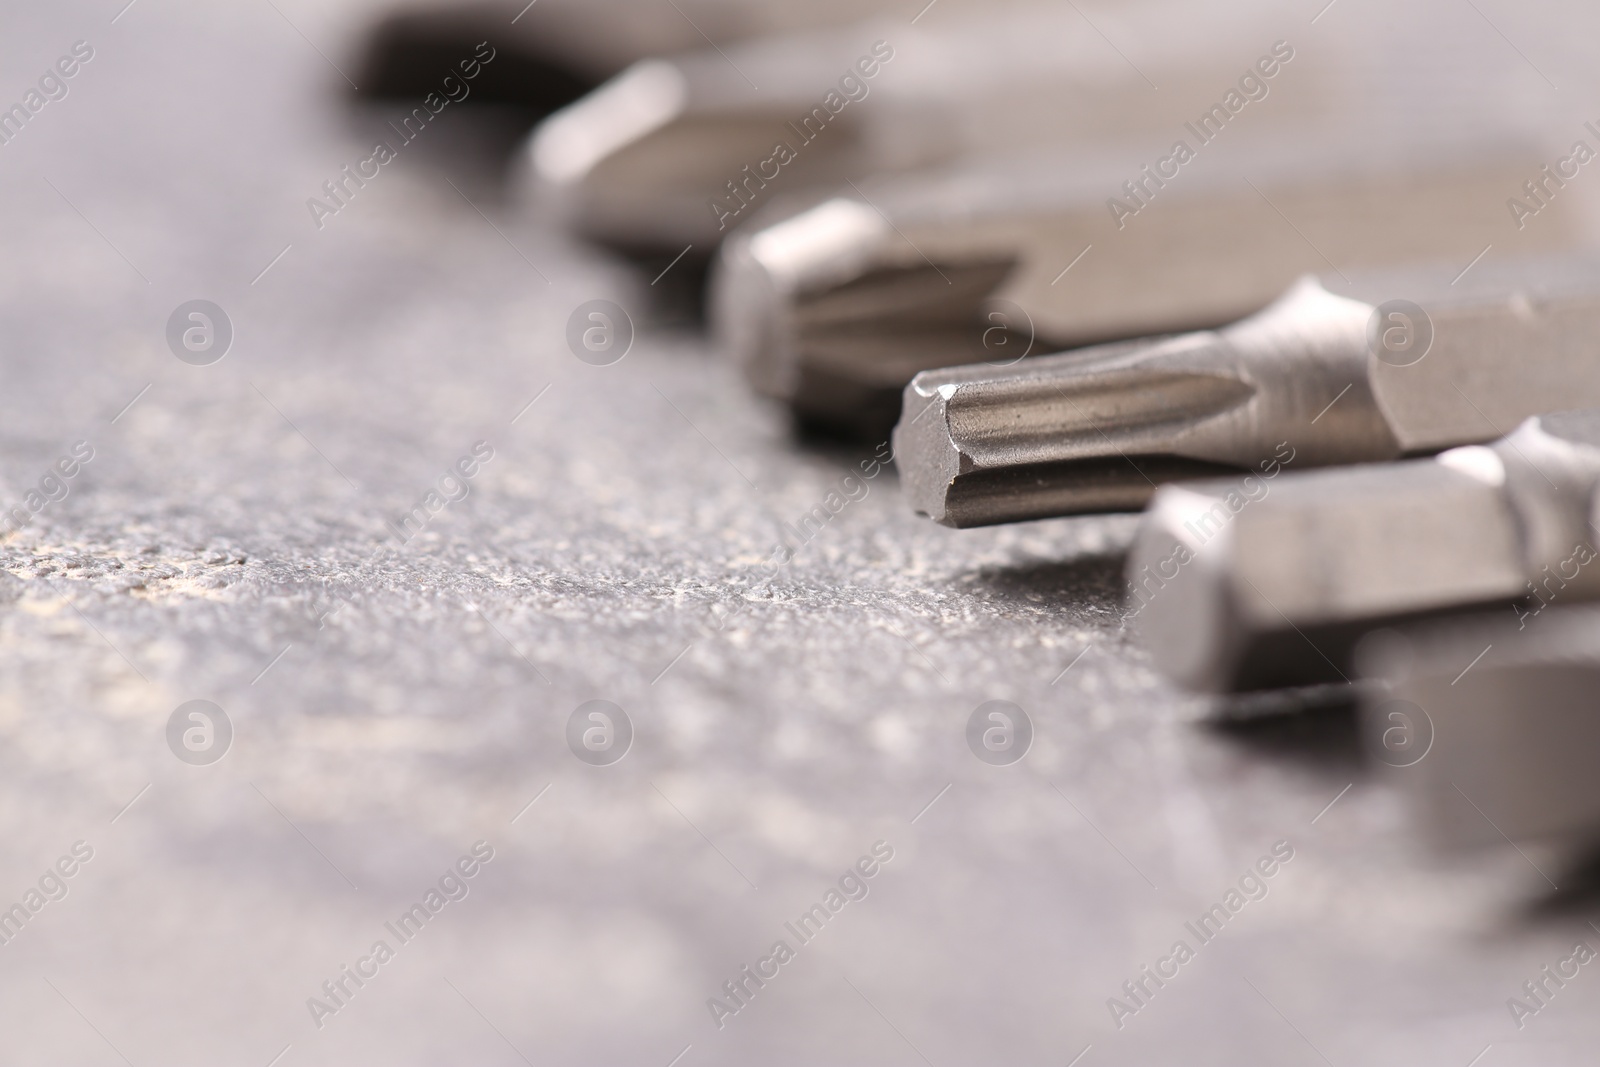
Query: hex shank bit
point(679, 149)
point(834, 308)
point(1494, 724)
point(1269, 581)
point(1373, 369)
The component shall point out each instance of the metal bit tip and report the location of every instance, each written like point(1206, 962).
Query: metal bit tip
point(1077, 433)
point(1098, 429)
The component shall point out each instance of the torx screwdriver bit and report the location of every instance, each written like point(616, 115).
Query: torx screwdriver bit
point(1268, 581)
point(1494, 722)
point(1375, 368)
point(834, 309)
point(678, 150)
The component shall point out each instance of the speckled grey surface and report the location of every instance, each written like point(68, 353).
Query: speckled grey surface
point(396, 702)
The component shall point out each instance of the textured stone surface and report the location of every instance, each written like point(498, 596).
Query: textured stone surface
point(395, 702)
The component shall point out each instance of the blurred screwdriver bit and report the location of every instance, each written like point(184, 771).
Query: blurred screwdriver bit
point(552, 52)
point(834, 309)
point(1495, 724)
point(1369, 369)
point(1269, 581)
point(677, 151)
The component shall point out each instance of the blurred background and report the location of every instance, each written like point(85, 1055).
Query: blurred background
point(398, 508)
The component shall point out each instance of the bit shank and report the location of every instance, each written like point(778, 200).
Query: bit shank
point(1271, 580)
point(1101, 428)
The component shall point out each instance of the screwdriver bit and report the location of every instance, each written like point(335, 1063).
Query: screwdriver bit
point(1369, 369)
point(1494, 724)
point(1268, 581)
point(678, 150)
point(834, 309)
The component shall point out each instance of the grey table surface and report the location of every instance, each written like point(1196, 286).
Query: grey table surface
point(394, 702)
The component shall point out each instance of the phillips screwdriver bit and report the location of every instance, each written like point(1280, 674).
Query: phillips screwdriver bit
point(835, 308)
point(1494, 722)
point(1268, 581)
point(679, 150)
point(1364, 370)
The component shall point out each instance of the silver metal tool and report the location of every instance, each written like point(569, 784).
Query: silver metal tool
point(1375, 368)
point(835, 308)
point(1269, 580)
point(1493, 723)
point(680, 150)
point(1394, 155)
